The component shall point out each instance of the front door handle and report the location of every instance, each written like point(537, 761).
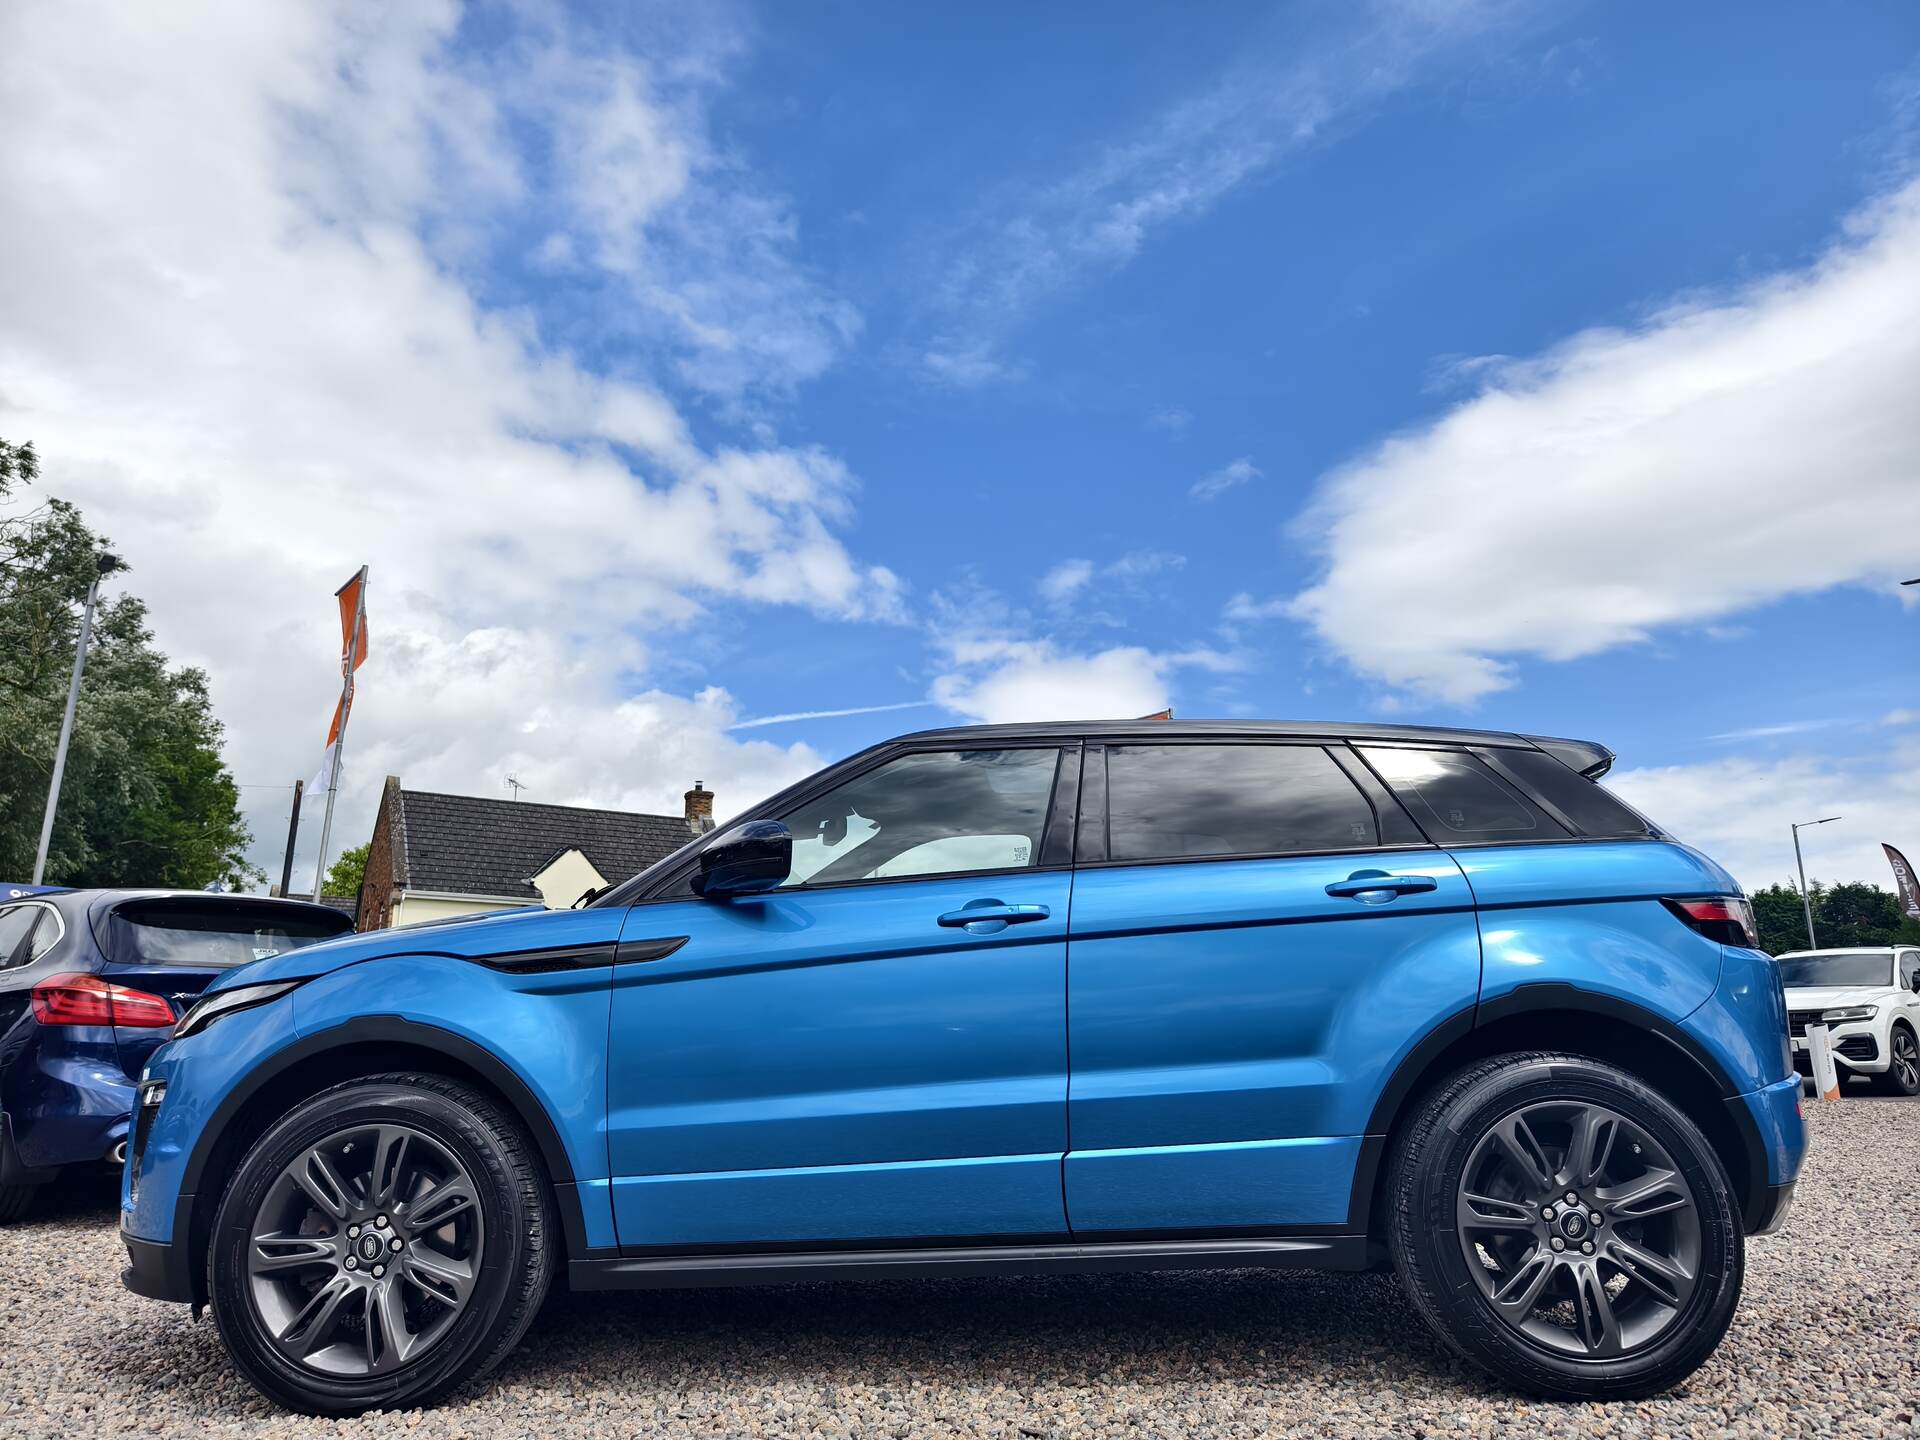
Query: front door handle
point(988, 917)
point(1377, 887)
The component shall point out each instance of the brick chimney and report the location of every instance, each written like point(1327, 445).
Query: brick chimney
point(699, 808)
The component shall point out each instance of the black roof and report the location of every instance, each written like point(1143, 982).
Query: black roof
point(467, 845)
point(1309, 729)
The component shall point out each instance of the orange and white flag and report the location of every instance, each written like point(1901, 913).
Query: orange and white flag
point(353, 654)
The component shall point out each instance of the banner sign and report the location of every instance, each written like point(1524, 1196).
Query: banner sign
point(1903, 883)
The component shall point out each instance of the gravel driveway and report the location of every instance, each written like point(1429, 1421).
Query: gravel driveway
point(1825, 1342)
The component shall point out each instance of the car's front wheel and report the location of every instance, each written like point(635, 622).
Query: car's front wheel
point(1902, 1075)
point(386, 1241)
point(1561, 1223)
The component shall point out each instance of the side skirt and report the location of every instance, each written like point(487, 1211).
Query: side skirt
point(672, 1272)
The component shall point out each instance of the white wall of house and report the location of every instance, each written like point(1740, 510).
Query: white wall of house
point(414, 906)
point(567, 877)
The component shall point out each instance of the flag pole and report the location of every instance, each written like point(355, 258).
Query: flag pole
point(346, 714)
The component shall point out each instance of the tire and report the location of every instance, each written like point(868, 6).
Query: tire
point(1902, 1075)
point(330, 1297)
point(16, 1201)
point(1495, 1146)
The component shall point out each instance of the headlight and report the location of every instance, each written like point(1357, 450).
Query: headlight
point(1849, 1013)
point(227, 1002)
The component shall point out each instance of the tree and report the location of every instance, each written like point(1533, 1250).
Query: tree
point(345, 875)
point(146, 799)
point(18, 464)
point(1843, 915)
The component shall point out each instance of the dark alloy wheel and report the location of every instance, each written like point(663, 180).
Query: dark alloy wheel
point(1560, 1222)
point(1578, 1229)
point(1903, 1064)
point(386, 1241)
point(365, 1250)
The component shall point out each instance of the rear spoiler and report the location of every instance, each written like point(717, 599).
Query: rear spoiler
point(1589, 757)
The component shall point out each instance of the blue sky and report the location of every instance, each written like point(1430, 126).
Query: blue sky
point(1529, 366)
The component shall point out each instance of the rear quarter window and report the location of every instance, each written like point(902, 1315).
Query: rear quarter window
point(1592, 810)
point(1457, 800)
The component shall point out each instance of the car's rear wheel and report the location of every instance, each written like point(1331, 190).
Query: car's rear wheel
point(1902, 1076)
point(387, 1241)
point(16, 1201)
point(1561, 1223)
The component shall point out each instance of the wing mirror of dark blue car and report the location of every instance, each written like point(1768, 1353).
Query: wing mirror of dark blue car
point(746, 860)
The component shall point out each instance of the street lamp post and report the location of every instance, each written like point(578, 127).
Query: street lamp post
point(1805, 903)
point(105, 565)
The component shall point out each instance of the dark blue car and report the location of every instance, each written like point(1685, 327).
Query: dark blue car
point(1020, 998)
point(91, 982)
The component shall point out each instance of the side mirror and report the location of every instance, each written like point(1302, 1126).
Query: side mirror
point(745, 860)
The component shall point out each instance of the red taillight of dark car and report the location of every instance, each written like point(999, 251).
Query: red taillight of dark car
point(88, 1000)
point(1726, 918)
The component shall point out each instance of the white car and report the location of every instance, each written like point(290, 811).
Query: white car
point(1869, 1000)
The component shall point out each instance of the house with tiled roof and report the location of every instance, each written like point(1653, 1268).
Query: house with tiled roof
point(434, 856)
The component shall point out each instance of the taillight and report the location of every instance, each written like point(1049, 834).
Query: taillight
point(89, 1000)
point(1726, 918)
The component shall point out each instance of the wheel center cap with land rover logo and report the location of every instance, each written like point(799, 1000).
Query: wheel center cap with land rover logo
point(370, 1247)
point(1573, 1225)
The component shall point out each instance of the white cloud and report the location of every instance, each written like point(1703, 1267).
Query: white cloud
point(1772, 732)
point(1901, 717)
point(1243, 609)
point(238, 330)
point(1137, 565)
point(1026, 246)
point(1064, 580)
point(1037, 680)
point(709, 261)
point(1128, 575)
point(1235, 472)
point(1174, 419)
point(1739, 811)
point(994, 669)
point(1724, 453)
point(965, 364)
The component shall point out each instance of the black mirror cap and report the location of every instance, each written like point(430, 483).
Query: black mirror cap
point(745, 860)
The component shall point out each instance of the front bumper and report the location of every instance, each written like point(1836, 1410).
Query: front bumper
point(156, 1270)
point(1856, 1047)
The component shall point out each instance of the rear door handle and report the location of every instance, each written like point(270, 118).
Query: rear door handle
point(1377, 887)
point(986, 917)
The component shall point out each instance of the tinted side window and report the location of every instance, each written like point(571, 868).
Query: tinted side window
point(1592, 810)
point(1456, 799)
point(1167, 801)
point(932, 814)
point(15, 922)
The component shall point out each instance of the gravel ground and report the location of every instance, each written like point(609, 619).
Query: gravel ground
point(1825, 1343)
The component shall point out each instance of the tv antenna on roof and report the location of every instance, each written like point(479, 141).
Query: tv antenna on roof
point(513, 784)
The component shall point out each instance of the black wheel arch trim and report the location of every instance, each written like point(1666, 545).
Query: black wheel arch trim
point(1755, 1205)
point(377, 1029)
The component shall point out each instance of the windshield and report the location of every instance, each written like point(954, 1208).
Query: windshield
point(1859, 968)
point(215, 937)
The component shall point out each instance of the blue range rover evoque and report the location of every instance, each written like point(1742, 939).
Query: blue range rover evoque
point(1019, 998)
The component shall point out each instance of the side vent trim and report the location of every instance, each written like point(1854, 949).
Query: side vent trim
point(638, 952)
